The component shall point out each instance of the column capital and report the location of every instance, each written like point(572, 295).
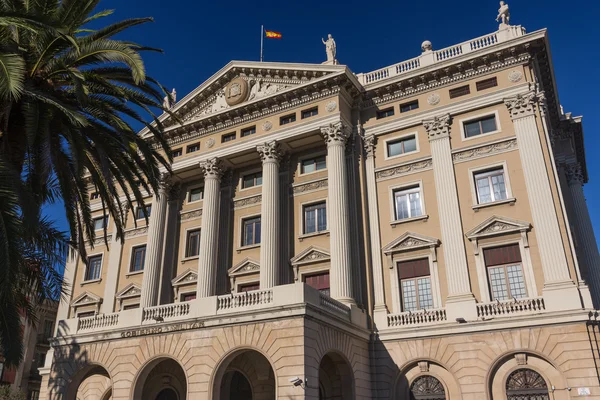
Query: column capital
point(335, 133)
point(270, 152)
point(370, 143)
point(438, 127)
point(212, 168)
point(523, 105)
point(574, 174)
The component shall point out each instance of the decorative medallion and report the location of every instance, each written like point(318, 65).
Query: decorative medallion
point(236, 91)
point(210, 143)
point(267, 126)
point(331, 106)
point(433, 99)
point(515, 76)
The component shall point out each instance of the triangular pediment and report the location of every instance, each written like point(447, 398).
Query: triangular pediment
point(131, 290)
point(311, 255)
point(410, 241)
point(245, 83)
point(86, 298)
point(184, 278)
point(246, 266)
point(496, 225)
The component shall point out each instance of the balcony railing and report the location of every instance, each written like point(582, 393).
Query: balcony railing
point(414, 318)
point(166, 312)
point(246, 299)
point(97, 322)
point(511, 307)
point(334, 306)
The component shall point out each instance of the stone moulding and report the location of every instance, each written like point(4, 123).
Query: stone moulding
point(404, 169)
point(247, 201)
point(303, 188)
point(185, 215)
point(485, 150)
point(135, 232)
point(99, 240)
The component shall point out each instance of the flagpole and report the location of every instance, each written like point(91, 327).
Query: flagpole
point(262, 35)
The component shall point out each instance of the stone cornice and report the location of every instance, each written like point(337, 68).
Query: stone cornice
point(484, 150)
point(407, 168)
point(247, 201)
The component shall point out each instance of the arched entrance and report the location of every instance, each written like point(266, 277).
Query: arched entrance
point(526, 384)
point(91, 382)
point(244, 375)
point(161, 379)
point(336, 380)
point(427, 387)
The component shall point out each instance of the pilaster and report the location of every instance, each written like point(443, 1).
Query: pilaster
point(165, 294)
point(114, 262)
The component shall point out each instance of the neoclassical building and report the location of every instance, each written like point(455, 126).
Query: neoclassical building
point(415, 232)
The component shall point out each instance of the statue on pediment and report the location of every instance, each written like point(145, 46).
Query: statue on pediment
point(330, 49)
point(503, 15)
point(170, 99)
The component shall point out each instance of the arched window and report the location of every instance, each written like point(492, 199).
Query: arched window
point(526, 384)
point(427, 387)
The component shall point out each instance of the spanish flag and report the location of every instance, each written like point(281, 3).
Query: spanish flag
point(272, 34)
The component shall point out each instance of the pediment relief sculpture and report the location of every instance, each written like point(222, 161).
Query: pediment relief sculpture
point(85, 299)
point(246, 266)
point(185, 278)
point(410, 241)
point(496, 225)
point(311, 255)
point(130, 290)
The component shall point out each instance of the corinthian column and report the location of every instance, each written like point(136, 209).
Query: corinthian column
point(209, 234)
point(460, 302)
point(560, 292)
point(336, 135)
point(270, 269)
point(154, 245)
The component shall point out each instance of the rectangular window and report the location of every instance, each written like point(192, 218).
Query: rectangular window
point(48, 329)
point(248, 131)
point(131, 306)
point(188, 296)
point(490, 186)
point(94, 268)
point(460, 91)
point(319, 281)
point(402, 146)
point(415, 284)
point(177, 152)
point(94, 196)
point(193, 148)
point(251, 231)
point(413, 105)
point(388, 112)
point(315, 218)
point(287, 119)
point(138, 258)
point(86, 314)
point(143, 212)
point(100, 222)
point(313, 164)
point(192, 247)
point(486, 83)
point(407, 203)
point(228, 137)
point(248, 287)
point(195, 194)
point(311, 112)
point(252, 180)
point(480, 126)
point(505, 272)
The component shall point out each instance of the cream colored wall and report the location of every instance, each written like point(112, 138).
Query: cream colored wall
point(126, 277)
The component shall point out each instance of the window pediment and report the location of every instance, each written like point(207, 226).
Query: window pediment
point(185, 278)
point(131, 290)
point(495, 226)
point(310, 255)
point(85, 299)
point(410, 241)
point(246, 266)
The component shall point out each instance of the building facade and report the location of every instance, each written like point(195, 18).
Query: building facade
point(419, 231)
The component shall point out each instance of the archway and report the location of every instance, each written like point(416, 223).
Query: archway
point(427, 387)
point(526, 384)
point(244, 375)
point(161, 379)
point(426, 380)
point(91, 382)
point(336, 380)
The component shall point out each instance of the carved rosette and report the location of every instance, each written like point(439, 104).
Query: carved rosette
point(270, 152)
point(335, 134)
point(369, 143)
point(438, 127)
point(523, 105)
point(212, 168)
point(574, 174)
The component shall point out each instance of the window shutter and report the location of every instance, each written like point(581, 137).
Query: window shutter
point(502, 255)
point(319, 281)
point(413, 268)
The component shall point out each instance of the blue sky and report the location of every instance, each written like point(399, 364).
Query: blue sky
point(200, 37)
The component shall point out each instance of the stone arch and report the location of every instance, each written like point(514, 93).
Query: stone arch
point(244, 363)
point(506, 364)
point(92, 381)
point(336, 377)
point(159, 374)
point(415, 369)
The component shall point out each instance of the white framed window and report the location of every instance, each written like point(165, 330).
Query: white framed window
point(143, 212)
point(100, 223)
point(490, 185)
point(192, 243)
point(401, 145)
point(251, 231)
point(93, 270)
point(478, 125)
point(408, 202)
point(195, 194)
point(252, 180)
point(313, 164)
point(138, 258)
point(505, 272)
point(314, 217)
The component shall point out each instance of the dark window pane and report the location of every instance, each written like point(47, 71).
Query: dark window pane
point(488, 124)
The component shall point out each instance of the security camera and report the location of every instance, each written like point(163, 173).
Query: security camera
point(296, 381)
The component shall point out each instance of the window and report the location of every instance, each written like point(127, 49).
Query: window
point(248, 287)
point(251, 231)
point(228, 137)
point(313, 164)
point(319, 281)
point(93, 269)
point(505, 272)
point(177, 152)
point(426, 387)
point(248, 131)
point(490, 186)
point(286, 119)
point(486, 83)
point(192, 248)
point(48, 328)
point(143, 212)
point(94, 196)
point(192, 148)
point(100, 222)
point(413, 105)
point(252, 180)
point(311, 112)
point(415, 284)
point(41, 360)
point(315, 218)
point(526, 384)
point(402, 146)
point(86, 314)
point(34, 395)
point(195, 194)
point(188, 296)
point(138, 258)
point(460, 91)
point(407, 203)
point(388, 112)
point(130, 307)
point(480, 126)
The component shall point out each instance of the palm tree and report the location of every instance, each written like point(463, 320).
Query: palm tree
point(68, 98)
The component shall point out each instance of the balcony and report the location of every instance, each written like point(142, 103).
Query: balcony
point(510, 308)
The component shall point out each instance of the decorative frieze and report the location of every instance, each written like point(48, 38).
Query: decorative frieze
point(331, 106)
point(485, 150)
point(438, 127)
point(187, 215)
point(99, 240)
point(131, 233)
point(515, 76)
point(310, 186)
point(247, 201)
point(405, 169)
point(433, 99)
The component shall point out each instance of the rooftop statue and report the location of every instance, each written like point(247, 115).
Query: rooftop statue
point(170, 99)
point(503, 14)
point(330, 49)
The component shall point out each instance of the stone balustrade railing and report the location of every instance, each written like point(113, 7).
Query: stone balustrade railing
point(334, 306)
point(97, 321)
point(413, 318)
point(511, 307)
point(432, 57)
point(165, 311)
point(246, 299)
